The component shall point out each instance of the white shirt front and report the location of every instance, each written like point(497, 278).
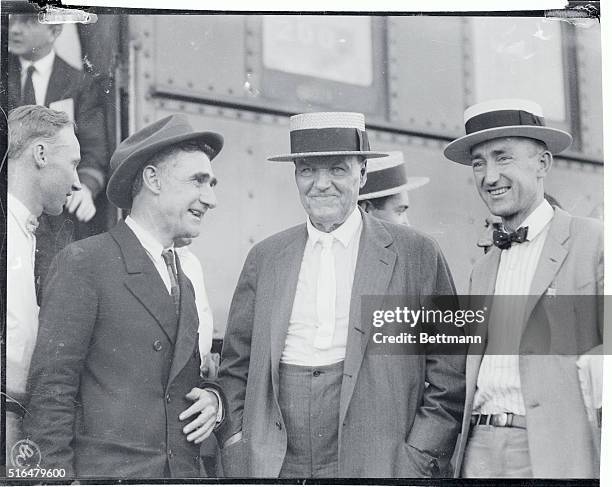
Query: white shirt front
point(40, 76)
point(299, 344)
point(22, 308)
point(499, 382)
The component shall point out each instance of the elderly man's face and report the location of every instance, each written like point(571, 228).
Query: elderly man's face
point(58, 175)
point(29, 38)
point(329, 188)
point(509, 174)
point(186, 193)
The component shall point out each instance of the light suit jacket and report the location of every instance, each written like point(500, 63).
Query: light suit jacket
point(564, 320)
point(390, 425)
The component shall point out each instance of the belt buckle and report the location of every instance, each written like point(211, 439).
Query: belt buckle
point(499, 420)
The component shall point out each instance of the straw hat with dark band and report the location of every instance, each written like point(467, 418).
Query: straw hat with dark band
point(387, 176)
point(135, 151)
point(327, 134)
point(505, 118)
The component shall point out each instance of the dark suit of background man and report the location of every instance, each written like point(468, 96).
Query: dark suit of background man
point(307, 395)
point(114, 382)
point(527, 411)
point(37, 75)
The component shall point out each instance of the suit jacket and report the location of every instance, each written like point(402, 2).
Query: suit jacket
point(112, 366)
point(66, 82)
point(390, 425)
point(564, 319)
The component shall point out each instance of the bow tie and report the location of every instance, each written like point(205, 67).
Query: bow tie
point(504, 240)
point(31, 224)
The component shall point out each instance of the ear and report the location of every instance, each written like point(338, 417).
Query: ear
point(39, 153)
point(363, 176)
point(545, 161)
point(151, 179)
point(366, 205)
point(56, 30)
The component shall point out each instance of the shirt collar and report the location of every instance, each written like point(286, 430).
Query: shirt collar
point(43, 65)
point(19, 210)
point(148, 241)
point(344, 233)
point(538, 219)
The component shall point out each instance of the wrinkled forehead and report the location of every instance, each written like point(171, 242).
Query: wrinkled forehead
point(328, 161)
point(505, 144)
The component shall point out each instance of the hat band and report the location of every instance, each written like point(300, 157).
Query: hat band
point(392, 177)
point(329, 140)
point(501, 118)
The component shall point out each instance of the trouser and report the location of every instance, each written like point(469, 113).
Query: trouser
point(309, 398)
point(493, 451)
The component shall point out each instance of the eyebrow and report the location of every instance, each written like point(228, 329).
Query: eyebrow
point(206, 177)
point(496, 152)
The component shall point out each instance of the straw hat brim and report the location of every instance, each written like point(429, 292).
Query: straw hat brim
point(302, 155)
point(412, 183)
point(459, 150)
point(119, 188)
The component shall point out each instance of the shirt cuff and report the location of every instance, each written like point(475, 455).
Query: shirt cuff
point(220, 409)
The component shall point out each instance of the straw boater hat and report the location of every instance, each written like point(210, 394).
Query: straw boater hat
point(505, 118)
point(388, 176)
point(327, 134)
point(135, 151)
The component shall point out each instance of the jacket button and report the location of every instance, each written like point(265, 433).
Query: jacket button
point(168, 398)
point(170, 454)
point(278, 425)
point(316, 373)
point(157, 345)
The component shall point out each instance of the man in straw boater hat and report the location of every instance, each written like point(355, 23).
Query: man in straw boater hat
point(115, 380)
point(307, 396)
point(530, 413)
point(385, 193)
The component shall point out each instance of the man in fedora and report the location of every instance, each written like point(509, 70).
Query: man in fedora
point(385, 193)
point(308, 396)
point(115, 385)
point(529, 411)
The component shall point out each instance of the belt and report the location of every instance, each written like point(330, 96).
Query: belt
point(508, 420)
point(15, 408)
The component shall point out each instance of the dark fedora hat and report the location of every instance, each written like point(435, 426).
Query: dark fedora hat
point(135, 151)
point(504, 118)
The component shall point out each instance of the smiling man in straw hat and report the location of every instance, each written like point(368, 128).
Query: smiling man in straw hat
point(307, 395)
point(385, 193)
point(529, 411)
point(115, 384)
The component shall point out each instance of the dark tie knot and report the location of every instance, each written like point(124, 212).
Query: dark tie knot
point(31, 69)
point(168, 257)
point(504, 240)
point(32, 224)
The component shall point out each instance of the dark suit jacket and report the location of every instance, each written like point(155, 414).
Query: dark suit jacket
point(55, 232)
point(110, 372)
point(560, 325)
point(390, 425)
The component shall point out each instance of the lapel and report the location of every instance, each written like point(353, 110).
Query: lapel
point(285, 274)
point(186, 336)
point(375, 264)
point(552, 257)
point(482, 284)
point(143, 280)
point(60, 82)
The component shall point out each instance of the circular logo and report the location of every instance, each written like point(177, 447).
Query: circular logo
point(25, 454)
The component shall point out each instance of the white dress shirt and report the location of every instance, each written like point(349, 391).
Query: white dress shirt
point(299, 344)
point(40, 76)
point(22, 309)
point(499, 381)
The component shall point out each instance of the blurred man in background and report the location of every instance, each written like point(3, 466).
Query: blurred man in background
point(385, 193)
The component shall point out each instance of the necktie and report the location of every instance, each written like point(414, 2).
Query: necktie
point(504, 240)
point(32, 225)
point(326, 294)
point(28, 96)
point(175, 291)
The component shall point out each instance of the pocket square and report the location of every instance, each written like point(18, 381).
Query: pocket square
point(551, 291)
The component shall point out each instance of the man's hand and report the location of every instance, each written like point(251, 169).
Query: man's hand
point(81, 203)
point(205, 409)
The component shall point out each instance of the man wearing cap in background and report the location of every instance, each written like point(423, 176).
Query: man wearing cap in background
point(530, 411)
point(318, 402)
point(115, 378)
point(38, 76)
point(43, 156)
point(385, 193)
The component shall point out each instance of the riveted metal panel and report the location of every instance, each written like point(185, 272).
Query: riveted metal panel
point(200, 55)
point(426, 73)
point(588, 50)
